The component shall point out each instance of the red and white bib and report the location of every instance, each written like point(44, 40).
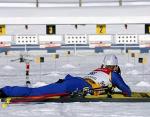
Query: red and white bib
point(100, 75)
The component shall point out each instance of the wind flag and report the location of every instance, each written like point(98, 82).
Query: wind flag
point(55, 56)
point(39, 60)
point(132, 54)
point(68, 52)
point(143, 60)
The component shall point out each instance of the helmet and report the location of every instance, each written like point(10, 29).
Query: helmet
point(110, 59)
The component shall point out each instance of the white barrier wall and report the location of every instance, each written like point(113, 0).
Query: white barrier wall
point(5, 38)
point(5, 41)
point(120, 29)
point(23, 30)
point(50, 41)
point(76, 39)
point(71, 29)
point(144, 40)
point(26, 39)
point(100, 40)
point(126, 39)
point(92, 40)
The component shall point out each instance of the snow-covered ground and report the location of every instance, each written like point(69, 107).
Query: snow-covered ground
point(13, 73)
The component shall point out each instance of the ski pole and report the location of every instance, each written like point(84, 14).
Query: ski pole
point(28, 83)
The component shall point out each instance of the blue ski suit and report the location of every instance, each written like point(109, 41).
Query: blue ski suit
point(68, 85)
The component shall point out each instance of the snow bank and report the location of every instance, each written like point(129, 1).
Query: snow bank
point(134, 72)
point(129, 65)
point(39, 84)
point(67, 66)
point(7, 67)
point(143, 84)
point(54, 73)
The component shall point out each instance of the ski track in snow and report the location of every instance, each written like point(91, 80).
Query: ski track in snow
point(75, 66)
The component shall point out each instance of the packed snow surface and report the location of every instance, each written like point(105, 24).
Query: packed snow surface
point(13, 73)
